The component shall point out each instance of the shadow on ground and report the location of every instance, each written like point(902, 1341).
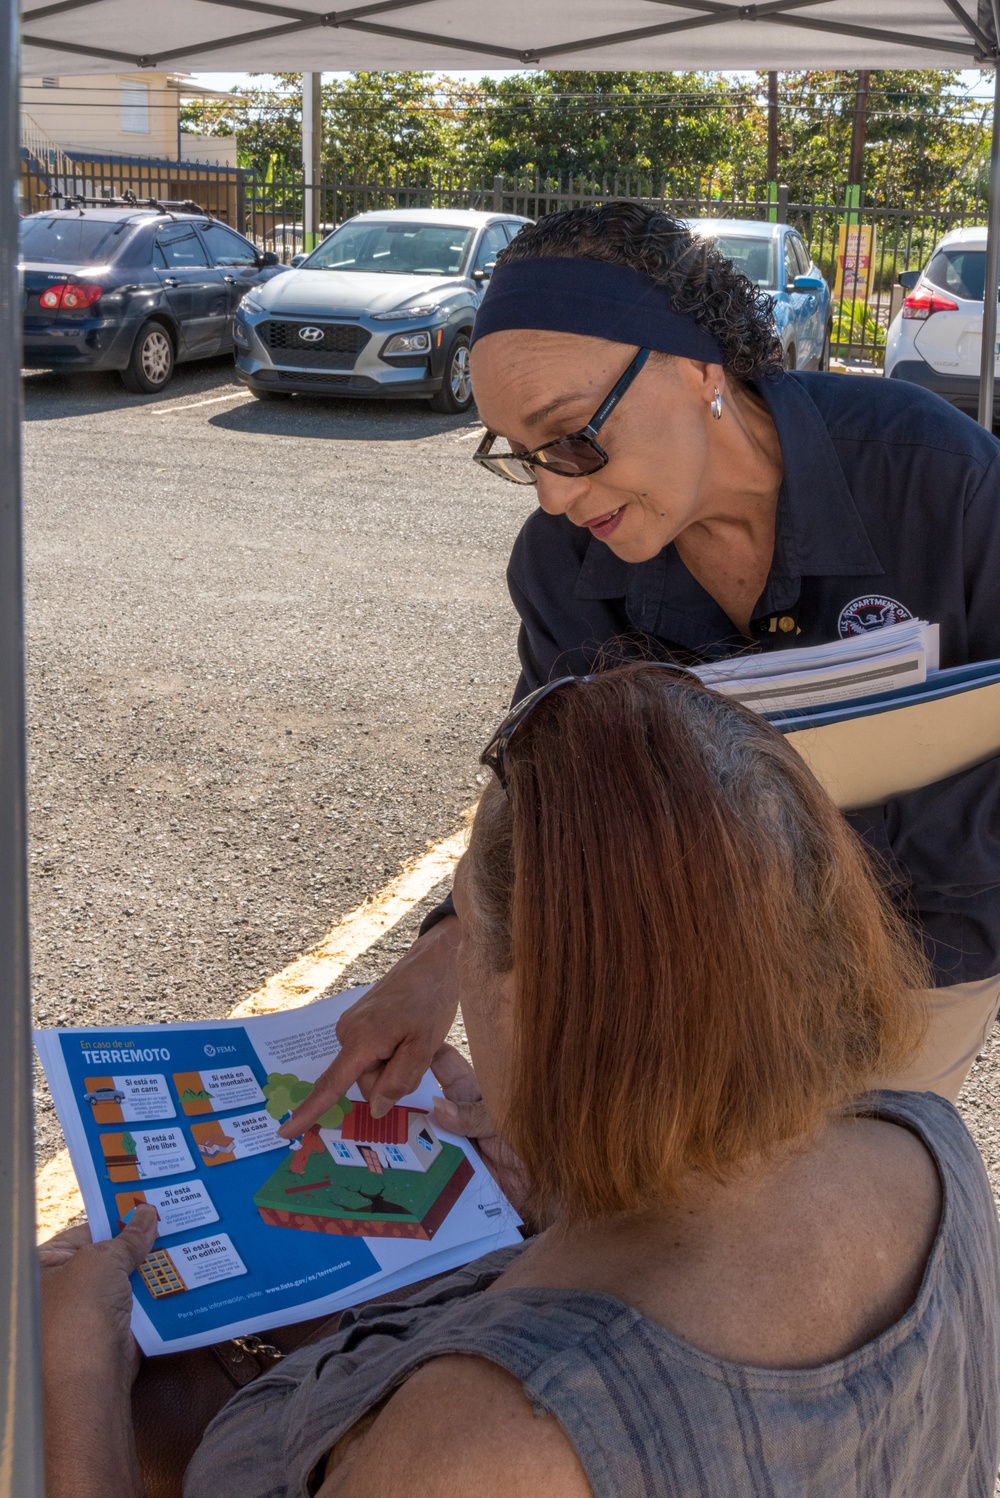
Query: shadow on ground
point(53, 394)
point(345, 420)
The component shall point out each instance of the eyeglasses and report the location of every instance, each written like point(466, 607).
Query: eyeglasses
point(494, 756)
point(569, 457)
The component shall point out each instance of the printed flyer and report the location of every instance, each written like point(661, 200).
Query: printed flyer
point(255, 1232)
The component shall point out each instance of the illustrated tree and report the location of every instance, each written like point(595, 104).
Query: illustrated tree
point(284, 1092)
point(129, 1146)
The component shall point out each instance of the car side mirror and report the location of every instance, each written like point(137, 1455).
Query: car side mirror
point(296, 260)
point(808, 283)
point(269, 258)
point(908, 279)
point(486, 272)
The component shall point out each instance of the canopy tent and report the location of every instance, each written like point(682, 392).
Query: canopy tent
point(98, 36)
point(265, 35)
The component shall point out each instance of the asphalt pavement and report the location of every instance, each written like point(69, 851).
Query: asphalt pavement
point(266, 642)
point(265, 645)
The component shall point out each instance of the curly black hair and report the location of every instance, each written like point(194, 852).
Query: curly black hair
point(701, 282)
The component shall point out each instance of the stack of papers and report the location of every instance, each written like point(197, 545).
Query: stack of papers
point(873, 715)
point(882, 660)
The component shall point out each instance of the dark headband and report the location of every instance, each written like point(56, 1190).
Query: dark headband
point(594, 298)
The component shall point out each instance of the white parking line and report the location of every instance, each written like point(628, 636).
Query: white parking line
point(233, 395)
point(57, 1195)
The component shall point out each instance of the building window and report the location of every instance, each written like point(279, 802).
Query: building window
point(134, 100)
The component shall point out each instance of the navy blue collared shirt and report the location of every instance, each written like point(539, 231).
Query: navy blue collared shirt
point(889, 508)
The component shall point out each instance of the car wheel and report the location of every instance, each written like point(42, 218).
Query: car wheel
point(151, 362)
point(455, 395)
point(260, 394)
point(824, 358)
point(790, 360)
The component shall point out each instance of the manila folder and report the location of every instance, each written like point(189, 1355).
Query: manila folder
point(865, 761)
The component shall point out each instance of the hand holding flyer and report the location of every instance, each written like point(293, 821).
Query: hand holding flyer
point(255, 1231)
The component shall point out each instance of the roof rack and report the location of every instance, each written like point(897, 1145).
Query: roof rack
point(128, 199)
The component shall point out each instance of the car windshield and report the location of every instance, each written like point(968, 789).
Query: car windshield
point(962, 272)
point(403, 249)
point(754, 257)
point(71, 241)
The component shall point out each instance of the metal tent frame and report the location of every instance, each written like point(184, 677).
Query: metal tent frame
point(94, 36)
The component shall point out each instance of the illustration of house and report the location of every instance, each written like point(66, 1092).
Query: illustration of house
point(403, 1140)
point(214, 1145)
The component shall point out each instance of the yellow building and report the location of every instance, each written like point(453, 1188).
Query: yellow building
point(101, 135)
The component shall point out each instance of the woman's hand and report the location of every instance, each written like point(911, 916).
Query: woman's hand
point(90, 1359)
point(87, 1298)
point(462, 1111)
point(387, 1038)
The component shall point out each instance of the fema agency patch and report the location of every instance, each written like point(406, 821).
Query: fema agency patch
point(870, 612)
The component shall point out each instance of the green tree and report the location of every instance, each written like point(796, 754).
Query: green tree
point(266, 122)
point(922, 136)
point(703, 130)
point(383, 122)
point(683, 125)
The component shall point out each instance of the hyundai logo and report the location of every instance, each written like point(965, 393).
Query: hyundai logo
point(311, 335)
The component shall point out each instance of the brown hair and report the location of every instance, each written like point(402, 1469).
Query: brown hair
point(703, 964)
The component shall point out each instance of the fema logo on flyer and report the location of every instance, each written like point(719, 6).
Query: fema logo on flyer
point(871, 612)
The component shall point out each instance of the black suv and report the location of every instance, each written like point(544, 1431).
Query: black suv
point(137, 287)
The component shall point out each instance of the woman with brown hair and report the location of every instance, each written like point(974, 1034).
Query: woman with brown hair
point(678, 981)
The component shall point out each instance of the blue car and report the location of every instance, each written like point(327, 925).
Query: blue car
point(776, 257)
point(133, 288)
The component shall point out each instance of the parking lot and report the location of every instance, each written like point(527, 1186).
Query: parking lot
point(265, 645)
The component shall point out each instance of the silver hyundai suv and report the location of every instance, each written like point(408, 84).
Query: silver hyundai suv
point(383, 307)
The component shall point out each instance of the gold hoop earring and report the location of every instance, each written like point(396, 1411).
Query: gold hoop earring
point(717, 404)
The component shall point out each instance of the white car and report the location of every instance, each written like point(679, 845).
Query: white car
point(936, 339)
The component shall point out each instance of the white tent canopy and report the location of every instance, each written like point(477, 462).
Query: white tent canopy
point(77, 36)
point(101, 36)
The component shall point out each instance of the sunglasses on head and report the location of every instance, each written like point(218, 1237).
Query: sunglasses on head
point(569, 457)
point(494, 756)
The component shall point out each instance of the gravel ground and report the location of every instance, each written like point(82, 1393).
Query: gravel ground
point(265, 645)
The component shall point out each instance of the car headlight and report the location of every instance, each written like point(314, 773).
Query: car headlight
point(424, 309)
point(409, 343)
point(240, 334)
point(249, 305)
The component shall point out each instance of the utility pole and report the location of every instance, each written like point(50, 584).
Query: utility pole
point(312, 155)
point(21, 1474)
point(856, 168)
point(772, 127)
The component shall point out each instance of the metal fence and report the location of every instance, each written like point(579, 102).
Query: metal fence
point(274, 213)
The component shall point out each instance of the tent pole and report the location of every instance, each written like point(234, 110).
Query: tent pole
point(20, 1397)
point(987, 365)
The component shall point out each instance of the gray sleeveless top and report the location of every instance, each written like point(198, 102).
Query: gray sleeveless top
point(913, 1414)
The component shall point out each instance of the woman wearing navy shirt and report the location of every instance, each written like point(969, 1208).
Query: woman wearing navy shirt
point(695, 501)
